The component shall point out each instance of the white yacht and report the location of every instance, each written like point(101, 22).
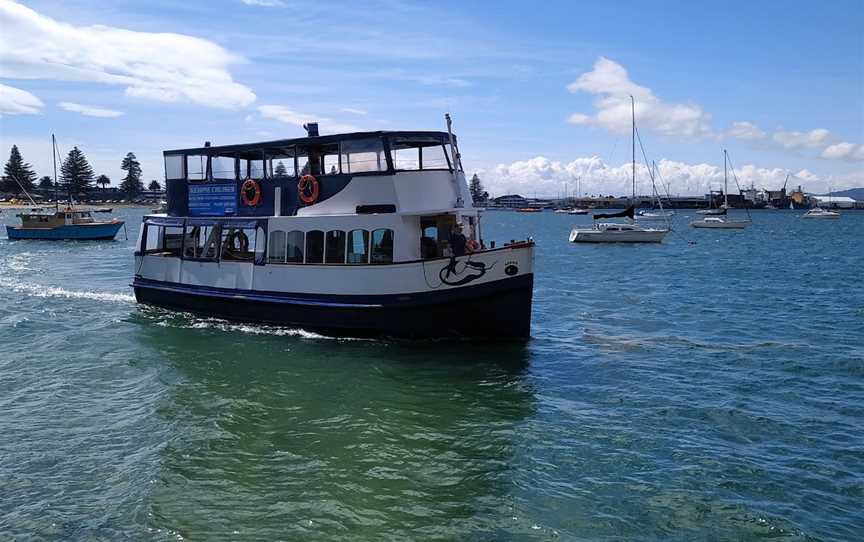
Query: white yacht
point(655, 214)
point(613, 232)
point(818, 212)
point(351, 234)
point(719, 219)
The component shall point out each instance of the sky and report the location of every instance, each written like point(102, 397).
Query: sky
point(540, 95)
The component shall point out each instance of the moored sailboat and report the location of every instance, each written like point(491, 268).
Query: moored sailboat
point(720, 220)
point(613, 232)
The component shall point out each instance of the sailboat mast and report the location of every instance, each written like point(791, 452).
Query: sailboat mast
point(725, 183)
point(633, 143)
point(54, 157)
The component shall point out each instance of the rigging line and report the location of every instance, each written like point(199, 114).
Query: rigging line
point(734, 176)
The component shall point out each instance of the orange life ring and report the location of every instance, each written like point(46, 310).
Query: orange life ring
point(250, 186)
point(472, 246)
point(303, 185)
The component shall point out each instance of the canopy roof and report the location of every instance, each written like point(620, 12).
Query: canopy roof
point(275, 145)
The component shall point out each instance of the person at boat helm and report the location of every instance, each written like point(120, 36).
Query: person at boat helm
point(458, 240)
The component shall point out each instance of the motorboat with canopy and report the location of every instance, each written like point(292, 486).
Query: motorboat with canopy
point(357, 234)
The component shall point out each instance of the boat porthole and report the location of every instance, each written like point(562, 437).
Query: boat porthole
point(511, 270)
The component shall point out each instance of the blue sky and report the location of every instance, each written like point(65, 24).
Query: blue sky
point(538, 94)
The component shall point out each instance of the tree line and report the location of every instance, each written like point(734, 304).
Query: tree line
point(77, 178)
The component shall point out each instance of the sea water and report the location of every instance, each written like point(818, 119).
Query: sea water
point(708, 388)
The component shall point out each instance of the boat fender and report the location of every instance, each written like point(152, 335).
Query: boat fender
point(472, 246)
point(250, 192)
point(308, 189)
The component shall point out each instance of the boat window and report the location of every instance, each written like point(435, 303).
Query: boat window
point(196, 167)
point(433, 158)
point(202, 243)
point(260, 245)
point(362, 155)
point(419, 153)
point(294, 253)
point(282, 166)
point(174, 166)
point(303, 167)
point(238, 244)
point(315, 246)
point(172, 241)
point(429, 238)
point(382, 246)
point(223, 168)
point(358, 246)
point(334, 251)
point(243, 167)
point(406, 158)
point(256, 169)
point(152, 239)
point(330, 162)
point(277, 247)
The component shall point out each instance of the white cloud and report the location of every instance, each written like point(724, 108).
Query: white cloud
point(541, 176)
point(746, 131)
point(264, 3)
point(156, 66)
point(844, 151)
point(354, 111)
point(288, 116)
point(89, 110)
point(801, 140)
point(14, 101)
point(611, 83)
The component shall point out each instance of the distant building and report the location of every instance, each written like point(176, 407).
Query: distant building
point(835, 202)
point(513, 201)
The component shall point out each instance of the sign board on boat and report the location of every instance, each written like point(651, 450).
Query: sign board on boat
point(212, 199)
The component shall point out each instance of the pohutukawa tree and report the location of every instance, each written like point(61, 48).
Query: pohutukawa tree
point(17, 174)
point(154, 186)
point(76, 174)
point(103, 180)
point(131, 185)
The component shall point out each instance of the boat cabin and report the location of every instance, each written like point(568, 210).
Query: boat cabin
point(54, 219)
point(360, 198)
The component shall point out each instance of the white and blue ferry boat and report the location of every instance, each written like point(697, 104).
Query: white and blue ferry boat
point(358, 234)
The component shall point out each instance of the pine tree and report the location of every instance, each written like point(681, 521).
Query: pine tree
point(131, 185)
point(76, 173)
point(103, 180)
point(281, 170)
point(17, 173)
point(154, 186)
point(45, 183)
point(477, 193)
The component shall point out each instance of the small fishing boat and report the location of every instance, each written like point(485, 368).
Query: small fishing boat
point(818, 212)
point(529, 210)
point(719, 220)
point(62, 224)
point(578, 211)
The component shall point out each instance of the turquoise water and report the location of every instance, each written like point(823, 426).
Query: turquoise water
point(707, 391)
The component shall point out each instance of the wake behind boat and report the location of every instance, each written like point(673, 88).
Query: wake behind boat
point(359, 234)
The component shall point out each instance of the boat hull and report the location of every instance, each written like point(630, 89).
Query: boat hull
point(600, 236)
point(499, 309)
point(78, 232)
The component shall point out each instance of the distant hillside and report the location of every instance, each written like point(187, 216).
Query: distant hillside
point(854, 193)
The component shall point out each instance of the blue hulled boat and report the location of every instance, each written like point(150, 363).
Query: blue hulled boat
point(64, 224)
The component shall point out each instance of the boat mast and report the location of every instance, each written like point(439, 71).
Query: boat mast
point(54, 157)
point(725, 183)
point(633, 143)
